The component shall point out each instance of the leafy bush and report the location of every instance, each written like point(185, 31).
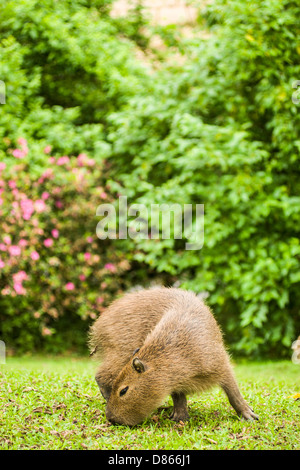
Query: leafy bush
point(66, 65)
point(222, 130)
point(55, 275)
point(219, 129)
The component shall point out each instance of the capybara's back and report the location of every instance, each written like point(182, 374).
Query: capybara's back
point(156, 342)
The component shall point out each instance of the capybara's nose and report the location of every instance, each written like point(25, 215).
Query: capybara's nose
point(111, 419)
point(110, 416)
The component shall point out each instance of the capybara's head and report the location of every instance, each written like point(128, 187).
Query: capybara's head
point(135, 394)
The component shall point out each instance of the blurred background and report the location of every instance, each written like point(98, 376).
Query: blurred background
point(163, 102)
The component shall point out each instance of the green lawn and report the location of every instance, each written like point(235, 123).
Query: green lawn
point(55, 404)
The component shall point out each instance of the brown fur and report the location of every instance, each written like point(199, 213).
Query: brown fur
point(181, 352)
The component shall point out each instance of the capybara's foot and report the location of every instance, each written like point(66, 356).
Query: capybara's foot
point(179, 416)
point(249, 414)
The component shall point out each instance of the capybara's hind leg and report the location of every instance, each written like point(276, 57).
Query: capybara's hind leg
point(180, 411)
point(235, 397)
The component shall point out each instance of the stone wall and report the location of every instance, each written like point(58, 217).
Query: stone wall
point(162, 12)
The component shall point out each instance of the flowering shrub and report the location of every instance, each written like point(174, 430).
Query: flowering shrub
point(55, 275)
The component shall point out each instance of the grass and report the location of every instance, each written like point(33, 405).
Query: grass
point(54, 403)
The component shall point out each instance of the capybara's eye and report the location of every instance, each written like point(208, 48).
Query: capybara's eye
point(123, 391)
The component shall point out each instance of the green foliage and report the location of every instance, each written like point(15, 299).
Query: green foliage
point(219, 129)
point(66, 65)
point(222, 130)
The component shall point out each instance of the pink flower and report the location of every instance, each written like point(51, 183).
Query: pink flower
point(18, 153)
point(103, 195)
point(23, 242)
point(20, 276)
point(48, 173)
point(26, 215)
point(40, 205)
point(27, 208)
point(59, 204)
point(14, 250)
point(47, 149)
point(69, 286)
point(89, 239)
point(34, 255)
point(2, 264)
point(87, 256)
point(81, 159)
point(82, 277)
point(2, 247)
point(2, 166)
point(110, 267)
point(55, 233)
point(62, 160)
point(5, 291)
point(19, 288)
point(45, 195)
point(99, 300)
point(21, 141)
point(12, 184)
point(48, 242)
point(46, 331)
point(7, 239)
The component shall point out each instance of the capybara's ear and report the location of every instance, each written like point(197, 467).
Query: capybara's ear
point(138, 365)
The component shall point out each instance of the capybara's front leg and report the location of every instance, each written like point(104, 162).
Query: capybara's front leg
point(180, 411)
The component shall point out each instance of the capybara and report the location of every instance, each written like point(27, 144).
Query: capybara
point(158, 342)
